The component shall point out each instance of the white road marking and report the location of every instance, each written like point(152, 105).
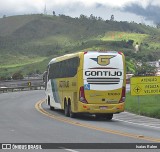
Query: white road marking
point(140, 124)
point(138, 120)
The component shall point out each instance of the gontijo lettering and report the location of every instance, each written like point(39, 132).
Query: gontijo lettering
point(103, 73)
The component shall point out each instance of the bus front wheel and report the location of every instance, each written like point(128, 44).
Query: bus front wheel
point(51, 108)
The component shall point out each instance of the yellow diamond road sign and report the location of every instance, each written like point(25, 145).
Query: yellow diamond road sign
point(137, 89)
point(145, 85)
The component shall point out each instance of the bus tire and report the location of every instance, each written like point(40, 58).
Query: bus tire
point(71, 114)
point(66, 109)
point(104, 116)
point(100, 116)
point(48, 100)
point(109, 116)
point(51, 108)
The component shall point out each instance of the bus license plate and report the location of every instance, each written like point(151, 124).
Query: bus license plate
point(103, 107)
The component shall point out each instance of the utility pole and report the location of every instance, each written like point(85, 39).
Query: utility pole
point(45, 9)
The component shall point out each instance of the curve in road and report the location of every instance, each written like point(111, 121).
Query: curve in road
point(39, 107)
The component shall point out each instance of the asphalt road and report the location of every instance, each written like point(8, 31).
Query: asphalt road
point(20, 122)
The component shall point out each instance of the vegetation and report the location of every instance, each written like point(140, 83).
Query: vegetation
point(28, 42)
point(145, 70)
point(148, 105)
point(17, 76)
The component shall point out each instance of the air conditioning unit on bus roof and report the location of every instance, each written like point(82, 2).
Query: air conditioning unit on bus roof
point(101, 51)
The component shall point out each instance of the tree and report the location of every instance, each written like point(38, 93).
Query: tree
point(91, 17)
point(54, 14)
point(18, 75)
point(145, 70)
point(130, 42)
point(82, 16)
point(100, 19)
point(158, 25)
point(112, 18)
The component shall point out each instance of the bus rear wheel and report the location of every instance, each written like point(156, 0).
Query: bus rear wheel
point(66, 109)
point(104, 116)
point(71, 114)
point(109, 116)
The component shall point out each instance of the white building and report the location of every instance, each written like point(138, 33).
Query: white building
point(157, 65)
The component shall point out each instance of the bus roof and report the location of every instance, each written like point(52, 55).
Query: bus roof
point(68, 56)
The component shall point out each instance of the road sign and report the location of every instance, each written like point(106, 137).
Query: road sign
point(29, 84)
point(145, 85)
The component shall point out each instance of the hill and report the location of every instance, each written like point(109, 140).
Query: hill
point(28, 42)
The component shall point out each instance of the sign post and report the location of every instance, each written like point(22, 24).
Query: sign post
point(139, 111)
point(29, 84)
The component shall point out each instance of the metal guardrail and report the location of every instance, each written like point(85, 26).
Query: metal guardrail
point(21, 88)
point(21, 85)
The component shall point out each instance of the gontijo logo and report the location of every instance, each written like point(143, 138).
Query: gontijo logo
point(103, 59)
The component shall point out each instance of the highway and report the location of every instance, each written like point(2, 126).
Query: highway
point(25, 118)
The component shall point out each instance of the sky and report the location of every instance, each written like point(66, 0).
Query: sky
point(140, 11)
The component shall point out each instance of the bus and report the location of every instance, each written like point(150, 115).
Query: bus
point(92, 82)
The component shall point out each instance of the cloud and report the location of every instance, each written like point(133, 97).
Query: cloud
point(103, 8)
point(10, 7)
point(150, 11)
point(13, 7)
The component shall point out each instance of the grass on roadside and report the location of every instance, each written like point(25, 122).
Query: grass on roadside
point(147, 105)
